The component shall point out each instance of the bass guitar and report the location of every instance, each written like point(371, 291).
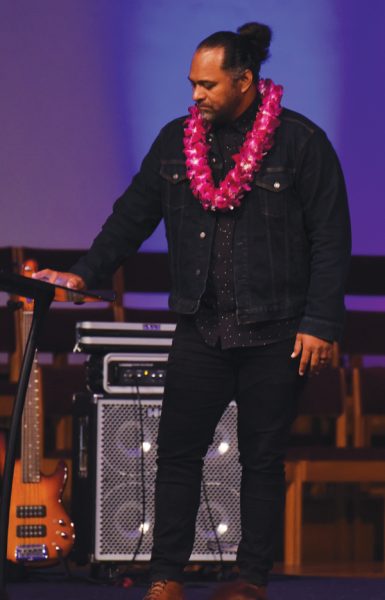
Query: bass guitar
point(40, 531)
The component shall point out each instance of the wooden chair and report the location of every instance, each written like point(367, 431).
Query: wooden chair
point(364, 335)
point(323, 396)
point(324, 399)
point(8, 323)
point(369, 406)
point(8, 376)
point(366, 276)
point(8, 258)
point(57, 386)
point(343, 465)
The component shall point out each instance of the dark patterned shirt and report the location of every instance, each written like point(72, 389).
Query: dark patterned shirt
point(216, 317)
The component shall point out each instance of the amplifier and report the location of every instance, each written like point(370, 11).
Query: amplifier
point(128, 373)
point(98, 337)
point(114, 471)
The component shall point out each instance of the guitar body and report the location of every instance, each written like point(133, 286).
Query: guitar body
point(39, 531)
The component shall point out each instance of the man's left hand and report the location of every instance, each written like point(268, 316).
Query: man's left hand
point(315, 353)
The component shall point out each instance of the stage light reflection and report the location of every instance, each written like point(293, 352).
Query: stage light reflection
point(223, 447)
point(146, 446)
point(222, 528)
point(144, 527)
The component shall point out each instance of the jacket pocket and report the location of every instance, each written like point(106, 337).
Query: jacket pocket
point(175, 182)
point(274, 188)
point(173, 171)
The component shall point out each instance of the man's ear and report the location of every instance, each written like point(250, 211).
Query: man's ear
point(246, 80)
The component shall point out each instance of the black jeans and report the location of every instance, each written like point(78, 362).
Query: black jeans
point(201, 381)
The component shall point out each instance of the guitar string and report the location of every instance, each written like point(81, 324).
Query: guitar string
point(30, 436)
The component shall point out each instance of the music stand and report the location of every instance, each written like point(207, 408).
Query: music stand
point(43, 293)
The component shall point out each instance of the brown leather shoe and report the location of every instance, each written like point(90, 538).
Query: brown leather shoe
point(164, 590)
point(240, 590)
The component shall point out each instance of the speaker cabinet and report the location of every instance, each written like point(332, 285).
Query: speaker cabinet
point(113, 493)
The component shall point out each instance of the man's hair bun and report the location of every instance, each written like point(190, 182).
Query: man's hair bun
point(259, 36)
point(246, 49)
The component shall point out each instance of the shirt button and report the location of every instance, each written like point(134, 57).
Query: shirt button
point(202, 235)
point(198, 272)
point(175, 176)
point(277, 185)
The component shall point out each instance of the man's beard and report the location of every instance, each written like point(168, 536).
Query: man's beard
point(222, 116)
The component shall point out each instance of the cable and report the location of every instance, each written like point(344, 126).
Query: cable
point(142, 471)
point(211, 519)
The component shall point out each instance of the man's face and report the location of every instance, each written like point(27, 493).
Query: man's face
point(217, 94)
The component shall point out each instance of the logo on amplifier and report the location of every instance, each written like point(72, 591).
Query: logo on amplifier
point(154, 412)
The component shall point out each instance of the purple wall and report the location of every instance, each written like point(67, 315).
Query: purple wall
point(86, 85)
point(361, 124)
point(65, 127)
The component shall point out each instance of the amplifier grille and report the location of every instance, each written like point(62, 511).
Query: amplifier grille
point(119, 518)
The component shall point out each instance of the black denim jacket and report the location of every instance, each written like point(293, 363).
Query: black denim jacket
point(292, 236)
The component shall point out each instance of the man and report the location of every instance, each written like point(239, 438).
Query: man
point(258, 231)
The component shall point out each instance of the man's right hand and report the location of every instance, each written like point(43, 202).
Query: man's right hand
point(69, 280)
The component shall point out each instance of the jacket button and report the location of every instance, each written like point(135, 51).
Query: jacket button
point(213, 160)
point(277, 185)
point(202, 235)
point(175, 176)
point(198, 272)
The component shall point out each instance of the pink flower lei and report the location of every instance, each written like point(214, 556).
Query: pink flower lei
point(247, 162)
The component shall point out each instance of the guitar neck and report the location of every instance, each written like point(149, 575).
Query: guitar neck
point(31, 424)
